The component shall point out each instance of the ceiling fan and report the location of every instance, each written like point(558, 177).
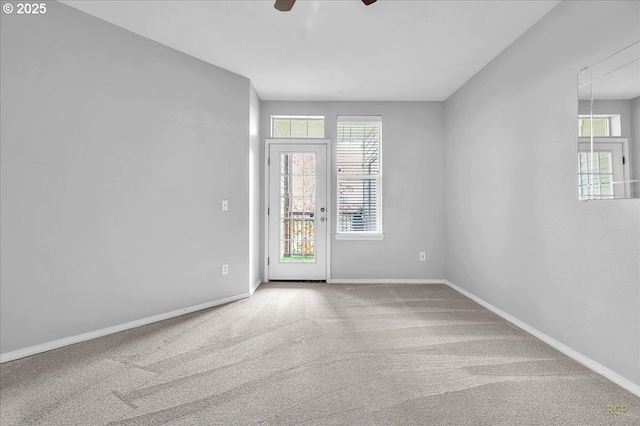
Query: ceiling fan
point(286, 5)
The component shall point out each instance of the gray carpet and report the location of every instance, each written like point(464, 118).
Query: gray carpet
point(315, 354)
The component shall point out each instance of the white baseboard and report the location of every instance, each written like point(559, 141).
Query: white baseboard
point(384, 281)
point(44, 347)
point(254, 287)
point(582, 359)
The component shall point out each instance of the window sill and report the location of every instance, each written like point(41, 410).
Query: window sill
point(360, 237)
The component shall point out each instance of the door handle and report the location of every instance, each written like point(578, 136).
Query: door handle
point(322, 219)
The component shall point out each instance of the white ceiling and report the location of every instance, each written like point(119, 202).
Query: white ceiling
point(331, 49)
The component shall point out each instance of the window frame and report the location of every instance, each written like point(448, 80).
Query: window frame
point(360, 235)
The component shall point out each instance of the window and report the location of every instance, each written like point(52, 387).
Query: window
point(359, 172)
point(297, 126)
point(600, 127)
point(604, 125)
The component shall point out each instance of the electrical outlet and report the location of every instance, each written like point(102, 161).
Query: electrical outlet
point(225, 205)
point(423, 256)
point(225, 269)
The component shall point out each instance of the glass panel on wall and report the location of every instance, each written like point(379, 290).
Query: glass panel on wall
point(608, 117)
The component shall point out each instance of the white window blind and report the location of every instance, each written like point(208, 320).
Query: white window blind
point(359, 175)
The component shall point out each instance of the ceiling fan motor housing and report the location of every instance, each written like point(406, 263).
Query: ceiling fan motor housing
point(287, 5)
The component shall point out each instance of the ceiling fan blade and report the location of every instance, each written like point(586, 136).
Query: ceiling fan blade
point(285, 5)
point(368, 2)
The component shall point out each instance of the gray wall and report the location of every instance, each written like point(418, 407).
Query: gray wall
point(116, 153)
point(255, 189)
point(634, 145)
point(413, 188)
point(516, 234)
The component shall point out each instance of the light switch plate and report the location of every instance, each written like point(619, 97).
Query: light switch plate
point(225, 205)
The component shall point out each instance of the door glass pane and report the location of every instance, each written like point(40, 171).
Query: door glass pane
point(309, 207)
point(583, 162)
point(297, 207)
point(297, 185)
point(310, 253)
point(309, 168)
point(605, 160)
point(595, 175)
point(309, 186)
point(606, 185)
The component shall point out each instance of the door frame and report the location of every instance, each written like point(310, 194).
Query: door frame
point(266, 195)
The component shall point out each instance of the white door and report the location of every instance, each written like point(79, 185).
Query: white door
point(297, 212)
point(601, 176)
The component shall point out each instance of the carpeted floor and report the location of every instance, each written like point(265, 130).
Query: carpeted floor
point(315, 354)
